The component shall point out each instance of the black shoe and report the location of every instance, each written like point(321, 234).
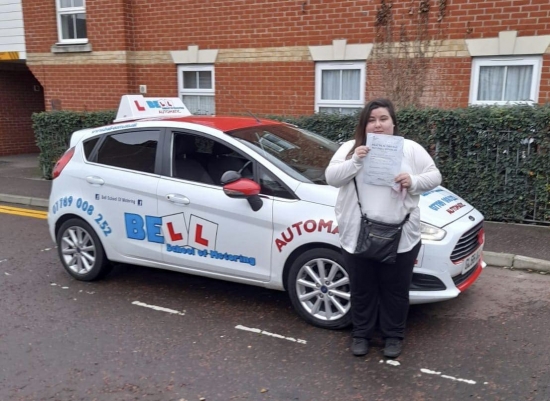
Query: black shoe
point(359, 346)
point(393, 347)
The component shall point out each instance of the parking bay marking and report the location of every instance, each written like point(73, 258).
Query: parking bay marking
point(432, 372)
point(37, 214)
point(267, 333)
point(158, 308)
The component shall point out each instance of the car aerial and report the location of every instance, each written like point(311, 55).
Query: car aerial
point(234, 198)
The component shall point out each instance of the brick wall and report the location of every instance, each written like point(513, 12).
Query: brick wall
point(251, 23)
point(18, 100)
point(544, 94)
point(439, 90)
point(83, 87)
point(125, 33)
point(265, 88)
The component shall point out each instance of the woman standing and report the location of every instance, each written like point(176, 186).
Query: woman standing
point(379, 291)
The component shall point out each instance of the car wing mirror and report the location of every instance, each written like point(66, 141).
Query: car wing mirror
point(236, 187)
point(230, 176)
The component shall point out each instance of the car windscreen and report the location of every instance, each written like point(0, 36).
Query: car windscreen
point(301, 154)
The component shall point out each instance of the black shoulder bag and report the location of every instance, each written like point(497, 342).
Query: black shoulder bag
point(377, 240)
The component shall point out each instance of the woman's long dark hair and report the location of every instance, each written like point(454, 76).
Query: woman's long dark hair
point(360, 134)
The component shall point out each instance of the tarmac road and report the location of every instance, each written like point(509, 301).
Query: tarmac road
point(61, 339)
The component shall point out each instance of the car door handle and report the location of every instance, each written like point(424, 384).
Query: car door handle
point(178, 199)
point(95, 180)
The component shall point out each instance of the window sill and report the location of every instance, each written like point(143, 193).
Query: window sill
point(71, 48)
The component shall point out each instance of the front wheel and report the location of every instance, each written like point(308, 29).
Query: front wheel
point(81, 252)
point(319, 288)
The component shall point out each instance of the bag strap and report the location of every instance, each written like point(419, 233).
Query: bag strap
point(358, 201)
point(361, 207)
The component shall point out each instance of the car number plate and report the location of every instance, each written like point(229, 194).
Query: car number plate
point(472, 260)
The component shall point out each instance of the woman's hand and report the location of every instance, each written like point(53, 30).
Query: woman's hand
point(361, 151)
point(404, 179)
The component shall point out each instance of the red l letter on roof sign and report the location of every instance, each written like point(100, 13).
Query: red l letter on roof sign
point(140, 108)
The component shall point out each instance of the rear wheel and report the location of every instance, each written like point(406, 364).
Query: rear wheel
point(81, 252)
point(319, 289)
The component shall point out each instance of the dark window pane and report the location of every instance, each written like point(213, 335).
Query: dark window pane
point(205, 79)
point(81, 26)
point(67, 30)
point(190, 80)
point(89, 145)
point(73, 26)
point(272, 186)
point(131, 150)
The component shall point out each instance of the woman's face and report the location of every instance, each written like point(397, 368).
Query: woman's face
point(380, 122)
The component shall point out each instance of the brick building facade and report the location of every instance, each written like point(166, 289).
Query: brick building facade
point(20, 96)
point(20, 92)
point(285, 56)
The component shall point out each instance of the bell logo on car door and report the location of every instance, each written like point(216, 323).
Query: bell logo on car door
point(199, 239)
point(172, 229)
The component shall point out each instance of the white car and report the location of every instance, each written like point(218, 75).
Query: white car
point(233, 198)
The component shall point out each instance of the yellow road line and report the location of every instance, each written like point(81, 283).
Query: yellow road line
point(37, 214)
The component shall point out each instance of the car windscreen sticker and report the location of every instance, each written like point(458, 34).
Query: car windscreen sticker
point(196, 239)
point(114, 128)
point(307, 227)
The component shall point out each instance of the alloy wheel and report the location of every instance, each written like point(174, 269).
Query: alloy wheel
point(78, 250)
point(323, 289)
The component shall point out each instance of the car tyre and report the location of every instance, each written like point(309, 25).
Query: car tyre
point(81, 251)
point(319, 289)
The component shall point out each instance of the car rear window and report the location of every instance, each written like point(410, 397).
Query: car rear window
point(131, 150)
point(89, 146)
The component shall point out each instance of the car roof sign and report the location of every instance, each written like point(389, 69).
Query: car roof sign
point(136, 107)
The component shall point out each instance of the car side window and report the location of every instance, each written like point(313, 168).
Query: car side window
point(89, 146)
point(201, 159)
point(131, 150)
point(270, 185)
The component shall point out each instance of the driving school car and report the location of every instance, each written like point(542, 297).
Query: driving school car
point(234, 198)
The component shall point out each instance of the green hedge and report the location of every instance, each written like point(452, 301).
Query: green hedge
point(497, 158)
point(53, 132)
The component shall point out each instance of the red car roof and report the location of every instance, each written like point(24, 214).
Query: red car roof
point(225, 123)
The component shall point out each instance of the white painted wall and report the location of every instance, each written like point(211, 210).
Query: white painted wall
point(12, 34)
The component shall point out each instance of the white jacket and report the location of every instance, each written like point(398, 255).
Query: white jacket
point(380, 202)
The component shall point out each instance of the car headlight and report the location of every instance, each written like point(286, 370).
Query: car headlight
point(432, 233)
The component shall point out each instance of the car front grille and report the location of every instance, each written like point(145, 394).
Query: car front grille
point(467, 244)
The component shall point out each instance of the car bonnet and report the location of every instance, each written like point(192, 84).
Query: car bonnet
point(439, 207)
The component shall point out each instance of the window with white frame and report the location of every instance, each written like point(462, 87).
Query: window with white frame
point(196, 88)
point(505, 80)
point(71, 21)
point(340, 87)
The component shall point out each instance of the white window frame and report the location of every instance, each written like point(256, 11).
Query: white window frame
point(65, 11)
point(478, 62)
point(340, 65)
point(198, 92)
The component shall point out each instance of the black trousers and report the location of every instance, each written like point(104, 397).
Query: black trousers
point(380, 293)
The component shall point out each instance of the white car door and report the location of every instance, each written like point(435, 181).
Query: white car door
point(203, 228)
point(120, 183)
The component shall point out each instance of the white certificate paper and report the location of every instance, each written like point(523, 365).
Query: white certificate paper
point(383, 162)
